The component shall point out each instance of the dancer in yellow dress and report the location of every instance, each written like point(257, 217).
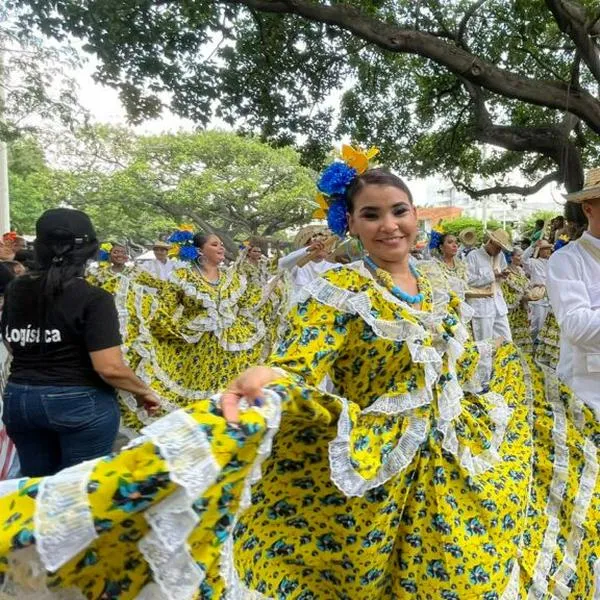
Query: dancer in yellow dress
point(207, 328)
point(514, 289)
point(438, 469)
point(271, 288)
point(445, 269)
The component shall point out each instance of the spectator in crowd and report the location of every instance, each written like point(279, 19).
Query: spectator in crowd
point(60, 404)
point(6, 276)
point(162, 266)
point(538, 232)
point(118, 258)
point(6, 251)
point(15, 267)
point(525, 243)
point(26, 258)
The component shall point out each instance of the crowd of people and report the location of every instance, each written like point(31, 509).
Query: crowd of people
point(347, 421)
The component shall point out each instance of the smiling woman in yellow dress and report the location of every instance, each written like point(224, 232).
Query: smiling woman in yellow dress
point(439, 468)
point(207, 326)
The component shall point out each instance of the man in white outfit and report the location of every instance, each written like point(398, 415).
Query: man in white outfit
point(486, 270)
point(309, 261)
point(161, 267)
point(535, 264)
point(574, 291)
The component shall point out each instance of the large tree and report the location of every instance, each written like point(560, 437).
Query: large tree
point(433, 82)
point(235, 186)
point(40, 94)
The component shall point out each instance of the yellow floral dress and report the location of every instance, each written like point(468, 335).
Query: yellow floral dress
point(269, 292)
point(439, 469)
point(547, 350)
point(443, 276)
point(200, 336)
point(513, 289)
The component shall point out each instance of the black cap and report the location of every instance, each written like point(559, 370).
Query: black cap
point(63, 225)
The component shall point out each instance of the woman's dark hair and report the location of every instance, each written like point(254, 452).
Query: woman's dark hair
point(379, 176)
point(65, 241)
point(540, 223)
point(60, 261)
point(444, 237)
point(200, 239)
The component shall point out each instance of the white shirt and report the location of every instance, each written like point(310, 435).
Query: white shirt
point(537, 271)
point(481, 267)
point(574, 290)
point(159, 269)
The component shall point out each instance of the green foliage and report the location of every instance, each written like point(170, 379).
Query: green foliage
point(292, 79)
point(136, 187)
point(33, 186)
point(527, 227)
point(455, 226)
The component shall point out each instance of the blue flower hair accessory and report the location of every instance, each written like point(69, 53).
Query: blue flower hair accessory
point(561, 242)
point(333, 185)
point(104, 253)
point(435, 238)
point(182, 242)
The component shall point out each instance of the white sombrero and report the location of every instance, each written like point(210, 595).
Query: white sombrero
point(590, 190)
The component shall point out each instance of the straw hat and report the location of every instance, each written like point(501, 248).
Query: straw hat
point(159, 244)
point(590, 190)
point(306, 233)
point(468, 236)
point(543, 245)
point(501, 238)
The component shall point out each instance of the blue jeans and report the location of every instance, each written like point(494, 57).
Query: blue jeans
point(54, 427)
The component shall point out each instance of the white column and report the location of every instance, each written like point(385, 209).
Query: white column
point(4, 202)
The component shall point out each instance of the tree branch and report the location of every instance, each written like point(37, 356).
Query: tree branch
point(572, 21)
point(462, 27)
point(552, 94)
point(526, 190)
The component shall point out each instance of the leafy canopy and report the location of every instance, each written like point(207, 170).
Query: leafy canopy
point(136, 187)
point(431, 82)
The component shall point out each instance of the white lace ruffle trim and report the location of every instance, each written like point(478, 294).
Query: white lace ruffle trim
point(443, 349)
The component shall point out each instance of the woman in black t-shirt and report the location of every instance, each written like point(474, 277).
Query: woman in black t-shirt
point(60, 404)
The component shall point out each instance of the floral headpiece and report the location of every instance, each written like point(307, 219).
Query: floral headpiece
point(561, 242)
point(182, 242)
point(333, 186)
point(104, 253)
point(435, 238)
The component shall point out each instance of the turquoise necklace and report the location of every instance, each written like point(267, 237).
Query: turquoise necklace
point(396, 290)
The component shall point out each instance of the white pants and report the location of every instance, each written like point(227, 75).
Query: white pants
point(537, 317)
point(486, 328)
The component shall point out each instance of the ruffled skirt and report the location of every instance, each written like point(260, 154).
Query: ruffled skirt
point(299, 504)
